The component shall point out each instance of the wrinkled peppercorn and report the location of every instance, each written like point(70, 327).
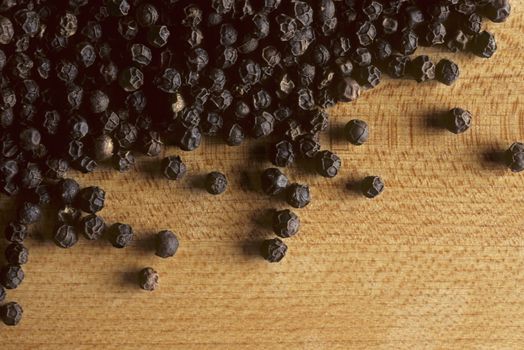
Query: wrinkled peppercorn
point(422, 68)
point(285, 223)
point(91, 199)
point(65, 236)
point(216, 183)
point(120, 235)
point(273, 250)
point(328, 164)
point(514, 157)
point(92, 226)
point(148, 279)
point(123, 160)
point(11, 313)
point(67, 190)
point(16, 254)
point(447, 72)
point(166, 244)
point(282, 154)
point(357, 132)
point(458, 120)
point(29, 213)
point(372, 186)
point(298, 195)
point(173, 168)
point(15, 232)
point(273, 181)
point(11, 276)
point(484, 44)
point(68, 215)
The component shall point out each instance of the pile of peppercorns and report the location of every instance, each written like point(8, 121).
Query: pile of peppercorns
point(84, 82)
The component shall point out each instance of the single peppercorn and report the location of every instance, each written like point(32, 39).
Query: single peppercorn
point(281, 154)
point(91, 199)
point(447, 72)
point(123, 160)
point(148, 279)
point(328, 164)
point(65, 236)
point(298, 196)
point(422, 68)
point(11, 313)
point(16, 254)
point(372, 186)
point(120, 235)
point(498, 10)
point(92, 226)
point(458, 120)
point(484, 44)
point(15, 232)
point(357, 132)
point(273, 250)
point(67, 190)
point(514, 157)
point(166, 244)
point(173, 168)
point(273, 181)
point(216, 183)
point(29, 213)
point(11, 276)
point(285, 223)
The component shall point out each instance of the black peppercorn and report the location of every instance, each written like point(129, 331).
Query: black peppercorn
point(348, 90)
point(298, 196)
point(498, 10)
point(372, 186)
point(11, 276)
point(514, 157)
point(92, 226)
point(68, 215)
point(6, 30)
point(11, 313)
point(216, 183)
point(29, 213)
point(85, 164)
point(328, 164)
point(123, 160)
point(369, 76)
point(56, 168)
point(173, 168)
point(40, 195)
point(148, 279)
point(273, 250)
point(308, 146)
point(91, 199)
point(285, 223)
point(16, 254)
point(67, 190)
point(458, 120)
point(131, 79)
point(158, 35)
point(120, 235)
point(65, 236)
point(273, 181)
point(422, 68)
point(281, 154)
point(484, 44)
point(15, 232)
point(166, 244)
point(357, 132)
point(146, 15)
point(447, 72)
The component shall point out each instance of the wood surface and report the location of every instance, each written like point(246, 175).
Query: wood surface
point(437, 262)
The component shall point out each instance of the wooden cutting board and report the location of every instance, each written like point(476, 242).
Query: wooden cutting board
point(437, 262)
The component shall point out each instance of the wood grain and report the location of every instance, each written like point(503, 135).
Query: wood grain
point(437, 262)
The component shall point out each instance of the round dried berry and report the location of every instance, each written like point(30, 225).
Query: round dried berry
point(67, 190)
point(120, 235)
point(372, 186)
point(357, 132)
point(29, 213)
point(514, 157)
point(328, 164)
point(285, 223)
point(16, 254)
point(173, 168)
point(166, 244)
point(65, 236)
point(298, 196)
point(273, 250)
point(92, 226)
point(91, 199)
point(11, 276)
point(484, 44)
point(447, 72)
point(148, 279)
point(216, 183)
point(11, 313)
point(281, 154)
point(273, 181)
point(15, 232)
point(458, 120)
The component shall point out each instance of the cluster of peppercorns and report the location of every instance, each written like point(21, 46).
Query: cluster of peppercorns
point(84, 82)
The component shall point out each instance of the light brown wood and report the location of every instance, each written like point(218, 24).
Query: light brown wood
point(437, 262)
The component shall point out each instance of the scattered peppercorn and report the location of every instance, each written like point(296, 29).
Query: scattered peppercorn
point(65, 236)
point(16, 232)
point(16, 254)
point(216, 183)
point(92, 226)
point(447, 72)
point(372, 186)
point(273, 181)
point(514, 157)
point(273, 250)
point(11, 276)
point(458, 120)
point(11, 313)
point(120, 235)
point(285, 223)
point(67, 190)
point(357, 132)
point(148, 279)
point(298, 196)
point(173, 168)
point(29, 213)
point(328, 164)
point(91, 199)
point(166, 244)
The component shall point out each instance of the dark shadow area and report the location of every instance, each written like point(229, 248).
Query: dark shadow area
point(198, 182)
point(251, 249)
point(146, 244)
point(264, 219)
point(435, 121)
point(493, 157)
point(129, 279)
point(354, 186)
point(250, 181)
point(258, 153)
